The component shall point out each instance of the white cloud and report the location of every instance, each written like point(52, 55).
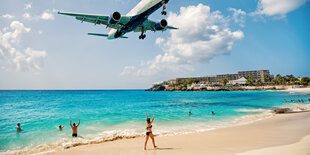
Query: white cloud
point(46, 15)
point(277, 7)
point(238, 16)
point(197, 41)
point(11, 57)
point(28, 6)
point(26, 16)
point(7, 16)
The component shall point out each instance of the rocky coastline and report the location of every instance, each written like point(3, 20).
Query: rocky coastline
point(218, 88)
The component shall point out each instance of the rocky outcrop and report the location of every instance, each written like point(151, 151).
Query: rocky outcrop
point(282, 110)
point(217, 88)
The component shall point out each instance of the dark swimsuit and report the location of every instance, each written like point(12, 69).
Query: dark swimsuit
point(148, 133)
point(74, 135)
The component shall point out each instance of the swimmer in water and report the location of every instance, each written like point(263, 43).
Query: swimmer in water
point(61, 127)
point(18, 127)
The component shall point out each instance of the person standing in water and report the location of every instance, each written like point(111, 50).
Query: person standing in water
point(74, 128)
point(61, 127)
point(149, 131)
point(18, 127)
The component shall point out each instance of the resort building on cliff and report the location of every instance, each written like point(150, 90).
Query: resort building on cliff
point(257, 75)
point(239, 78)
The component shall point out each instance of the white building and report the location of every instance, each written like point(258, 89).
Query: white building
point(241, 81)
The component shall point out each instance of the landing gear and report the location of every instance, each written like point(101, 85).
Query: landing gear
point(164, 8)
point(142, 36)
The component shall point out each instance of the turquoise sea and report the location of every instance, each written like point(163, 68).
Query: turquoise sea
point(109, 114)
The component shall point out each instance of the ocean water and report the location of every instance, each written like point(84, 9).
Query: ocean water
point(107, 115)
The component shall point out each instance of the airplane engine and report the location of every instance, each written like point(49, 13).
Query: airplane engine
point(115, 18)
point(161, 25)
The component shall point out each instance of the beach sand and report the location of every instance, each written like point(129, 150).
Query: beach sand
point(275, 135)
point(303, 90)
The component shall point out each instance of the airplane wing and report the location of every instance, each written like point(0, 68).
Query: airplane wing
point(149, 25)
point(97, 19)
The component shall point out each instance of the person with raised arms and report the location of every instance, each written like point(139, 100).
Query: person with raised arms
point(149, 131)
point(74, 128)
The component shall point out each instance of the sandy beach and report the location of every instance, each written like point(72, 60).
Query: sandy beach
point(303, 90)
point(274, 135)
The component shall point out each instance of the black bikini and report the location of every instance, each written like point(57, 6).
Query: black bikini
point(149, 132)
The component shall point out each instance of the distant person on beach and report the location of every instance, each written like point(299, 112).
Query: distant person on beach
point(149, 131)
point(285, 101)
point(302, 101)
point(212, 112)
point(309, 99)
point(18, 127)
point(61, 127)
point(74, 128)
point(189, 113)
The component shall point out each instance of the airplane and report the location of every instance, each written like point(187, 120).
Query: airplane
point(136, 20)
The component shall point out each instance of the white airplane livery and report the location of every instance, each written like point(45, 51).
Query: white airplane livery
point(136, 20)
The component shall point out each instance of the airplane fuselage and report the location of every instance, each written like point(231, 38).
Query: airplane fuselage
point(139, 15)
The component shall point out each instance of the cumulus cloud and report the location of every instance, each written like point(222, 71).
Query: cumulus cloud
point(46, 15)
point(7, 16)
point(202, 35)
point(238, 16)
point(28, 6)
point(11, 57)
point(277, 7)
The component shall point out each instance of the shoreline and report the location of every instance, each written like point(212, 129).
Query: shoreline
point(278, 131)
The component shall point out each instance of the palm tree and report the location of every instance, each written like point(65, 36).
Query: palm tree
point(224, 81)
point(305, 81)
point(259, 82)
point(250, 81)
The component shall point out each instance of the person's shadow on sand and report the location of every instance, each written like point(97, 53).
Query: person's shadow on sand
point(162, 148)
point(158, 149)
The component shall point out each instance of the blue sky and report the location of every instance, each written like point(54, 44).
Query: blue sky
point(42, 50)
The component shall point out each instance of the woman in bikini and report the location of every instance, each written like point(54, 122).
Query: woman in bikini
point(149, 131)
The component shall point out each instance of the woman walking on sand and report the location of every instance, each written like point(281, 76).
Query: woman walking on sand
point(149, 131)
